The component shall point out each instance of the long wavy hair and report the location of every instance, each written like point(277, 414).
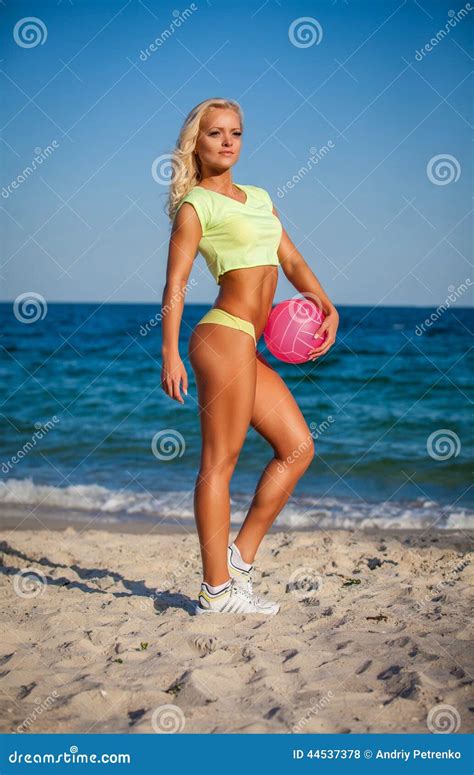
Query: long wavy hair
point(185, 163)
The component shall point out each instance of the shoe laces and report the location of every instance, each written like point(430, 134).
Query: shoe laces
point(250, 591)
point(258, 599)
point(250, 581)
point(242, 592)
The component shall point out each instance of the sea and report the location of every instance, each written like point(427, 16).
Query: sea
point(88, 433)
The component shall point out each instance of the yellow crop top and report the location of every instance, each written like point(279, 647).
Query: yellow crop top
point(236, 234)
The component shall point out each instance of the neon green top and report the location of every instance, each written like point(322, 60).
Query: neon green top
point(236, 234)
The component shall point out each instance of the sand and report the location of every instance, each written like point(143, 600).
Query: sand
point(372, 636)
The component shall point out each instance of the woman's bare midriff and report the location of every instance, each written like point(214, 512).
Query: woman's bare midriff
point(248, 293)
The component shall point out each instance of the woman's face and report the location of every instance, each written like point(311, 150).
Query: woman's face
point(219, 139)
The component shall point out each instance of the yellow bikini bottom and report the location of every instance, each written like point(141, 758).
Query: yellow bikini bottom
point(223, 318)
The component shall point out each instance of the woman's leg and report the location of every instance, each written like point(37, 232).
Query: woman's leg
point(225, 365)
point(278, 418)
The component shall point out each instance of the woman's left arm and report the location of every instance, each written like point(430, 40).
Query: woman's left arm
point(305, 281)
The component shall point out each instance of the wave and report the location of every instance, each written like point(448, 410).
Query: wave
point(301, 512)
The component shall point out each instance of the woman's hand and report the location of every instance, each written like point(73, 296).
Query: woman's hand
point(330, 324)
point(173, 373)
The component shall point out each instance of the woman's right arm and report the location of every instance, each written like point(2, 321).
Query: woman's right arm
point(185, 237)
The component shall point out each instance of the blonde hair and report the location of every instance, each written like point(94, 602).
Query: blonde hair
point(185, 163)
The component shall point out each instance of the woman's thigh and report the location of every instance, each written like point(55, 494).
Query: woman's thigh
point(277, 416)
point(225, 366)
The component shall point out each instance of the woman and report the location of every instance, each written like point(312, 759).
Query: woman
point(237, 230)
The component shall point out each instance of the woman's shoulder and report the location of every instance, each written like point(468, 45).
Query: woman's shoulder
point(199, 199)
point(193, 194)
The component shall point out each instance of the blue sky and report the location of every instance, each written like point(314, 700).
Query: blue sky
point(371, 221)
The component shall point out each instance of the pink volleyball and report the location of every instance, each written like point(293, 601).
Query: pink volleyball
point(290, 329)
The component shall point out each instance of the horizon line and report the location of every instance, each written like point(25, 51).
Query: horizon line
point(205, 303)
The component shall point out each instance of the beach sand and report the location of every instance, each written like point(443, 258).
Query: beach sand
point(372, 635)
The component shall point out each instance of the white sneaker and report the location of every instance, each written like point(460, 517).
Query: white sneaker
point(233, 600)
point(243, 579)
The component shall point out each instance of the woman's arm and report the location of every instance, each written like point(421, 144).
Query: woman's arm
point(305, 281)
point(185, 236)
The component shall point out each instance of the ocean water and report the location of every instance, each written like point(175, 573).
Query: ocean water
point(87, 430)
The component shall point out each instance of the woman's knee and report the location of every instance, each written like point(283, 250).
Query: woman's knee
point(298, 455)
point(219, 465)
